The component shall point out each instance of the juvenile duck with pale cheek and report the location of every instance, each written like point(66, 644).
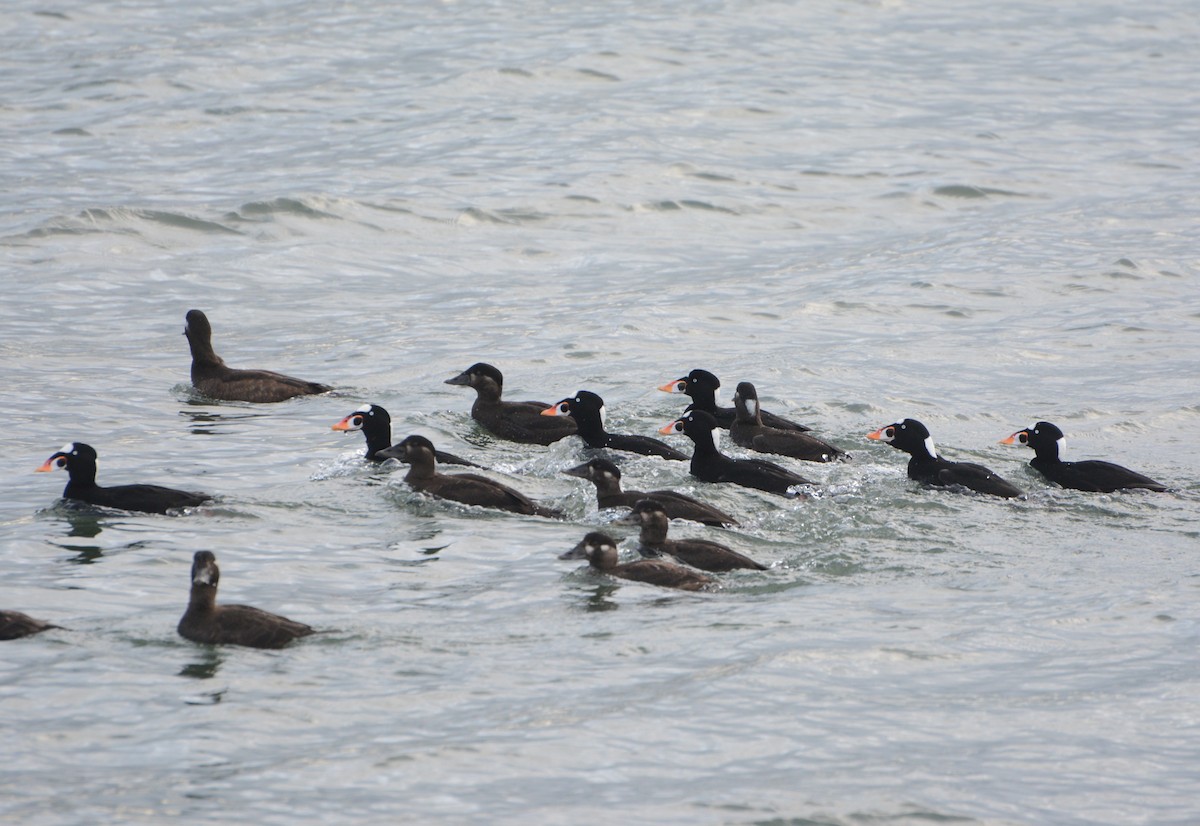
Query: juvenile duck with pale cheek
point(587, 409)
point(606, 476)
point(215, 379)
point(699, 553)
point(467, 488)
point(601, 551)
point(515, 421)
point(926, 467)
point(212, 624)
point(376, 425)
point(748, 430)
point(1048, 443)
point(80, 462)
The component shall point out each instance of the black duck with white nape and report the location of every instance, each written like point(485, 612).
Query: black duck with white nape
point(749, 431)
point(467, 488)
point(704, 554)
point(711, 465)
point(600, 550)
point(80, 461)
point(701, 387)
point(1095, 475)
point(606, 477)
point(515, 421)
point(212, 377)
point(208, 623)
point(926, 467)
point(376, 426)
point(588, 411)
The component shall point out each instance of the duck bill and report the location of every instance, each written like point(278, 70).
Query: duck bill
point(578, 552)
point(876, 435)
point(1012, 440)
point(461, 378)
point(582, 471)
point(393, 452)
point(344, 424)
point(48, 465)
point(557, 409)
point(670, 429)
point(674, 386)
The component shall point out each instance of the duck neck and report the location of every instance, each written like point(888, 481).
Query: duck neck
point(203, 599)
point(378, 438)
point(654, 531)
point(420, 467)
point(589, 428)
point(202, 350)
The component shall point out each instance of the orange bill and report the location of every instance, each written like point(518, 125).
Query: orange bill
point(668, 429)
point(674, 386)
point(876, 435)
point(344, 424)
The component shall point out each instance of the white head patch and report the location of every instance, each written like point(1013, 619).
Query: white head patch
point(1062, 447)
point(366, 408)
point(603, 415)
point(752, 407)
point(929, 446)
point(69, 447)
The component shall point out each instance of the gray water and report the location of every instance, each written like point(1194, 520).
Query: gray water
point(976, 214)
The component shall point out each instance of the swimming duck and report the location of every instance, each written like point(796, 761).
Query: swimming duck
point(14, 624)
point(206, 622)
point(601, 551)
point(699, 553)
point(1048, 442)
point(927, 467)
point(701, 387)
point(376, 425)
point(515, 421)
point(468, 488)
point(80, 463)
point(711, 465)
point(212, 377)
point(606, 476)
point(587, 409)
point(749, 431)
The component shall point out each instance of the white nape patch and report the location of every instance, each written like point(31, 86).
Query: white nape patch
point(929, 446)
point(366, 408)
point(69, 447)
point(752, 406)
point(716, 434)
point(603, 415)
point(1062, 447)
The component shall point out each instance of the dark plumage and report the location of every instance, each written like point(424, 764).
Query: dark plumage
point(701, 387)
point(212, 377)
point(927, 467)
point(468, 488)
point(1091, 474)
point(601, 551)
point(376, 425)
point(80, 462)
point(749, 431)
point(711, 465)
point(515, 421)
point(587, 409)
point(212, 624)
point(699, 553)
point(606, 476)
point(14, 624)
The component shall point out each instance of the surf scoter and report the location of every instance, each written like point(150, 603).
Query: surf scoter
point(749, 431)
point(601, 551)
point(80, 462)
point(376, 425)
point(206, 622)
point(927, 467)
point(711, 465)
point(1096, 475)
point(701, 387)
point(606, 476)
point(14, 624)
point(212, 377)
point(515, 421)
point(699, 553)
point(587, 409)
point(468, 488)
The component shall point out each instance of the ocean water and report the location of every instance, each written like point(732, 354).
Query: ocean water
point(978, 215)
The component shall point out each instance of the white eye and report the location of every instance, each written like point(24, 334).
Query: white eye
point(929, 446)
